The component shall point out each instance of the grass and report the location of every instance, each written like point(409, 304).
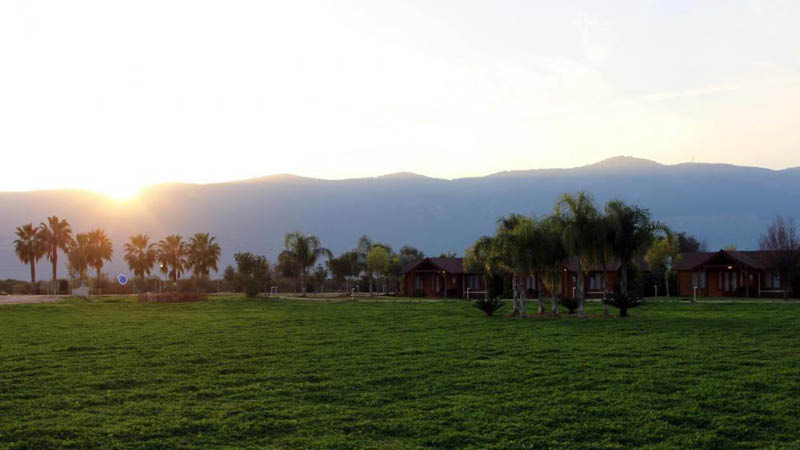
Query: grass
point(238, 373)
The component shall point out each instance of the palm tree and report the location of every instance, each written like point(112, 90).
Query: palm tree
point(78, 256)
point(100, 249)
point(171, 253)
point(304, 250)
point(203, 254)
point(480, 257)
point(140, 255)
point(57, 235)
point(513, 245)
point(552, 254)
point(633, 231)
point(30, 247)
point(579, 215)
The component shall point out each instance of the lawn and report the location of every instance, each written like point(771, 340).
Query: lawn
point(238, 373)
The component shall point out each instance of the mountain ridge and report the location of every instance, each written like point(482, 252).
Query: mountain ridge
point(722, 203)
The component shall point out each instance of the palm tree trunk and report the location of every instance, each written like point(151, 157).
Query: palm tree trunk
point(606, 312)
point(579, 289)
point(522, 302)
point(97, 280)
point(33, 275)
point(623, 284)
point(666, 281)
point(553, 295)
point(303, 282)
point(55, 270)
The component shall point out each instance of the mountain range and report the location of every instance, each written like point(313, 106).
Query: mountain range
point(719, 203)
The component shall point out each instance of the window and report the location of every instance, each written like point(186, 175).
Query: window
point(474, 282)
point(595, 281)
point(773, 280)
point(419, 282)
point(438, 284)
point(699, 280)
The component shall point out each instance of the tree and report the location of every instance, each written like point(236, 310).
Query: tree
point(688, 243)
point(579, 216)
point(30, 247)
point(447, 255)
point(377, 263)
point(303, 250)
point(78, 256)
point(407, 255)
point(171, 254)
point(662, 255)
point(318, 277)
point(782, 241)
point(100, 249)
point(140, 255)
point(57, 235)
point(252, 272)
point(553, 254)
point(203, 255)
point(512, 245)
point(480, 258)
point(633, 231)
point(346, 268)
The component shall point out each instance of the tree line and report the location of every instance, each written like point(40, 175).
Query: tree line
point(577, 230)
point(370, 265)
point(92, 249)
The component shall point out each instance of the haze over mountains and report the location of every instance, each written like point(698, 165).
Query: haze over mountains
point(720, 203)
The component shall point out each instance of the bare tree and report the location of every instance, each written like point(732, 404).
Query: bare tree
point(782, 241)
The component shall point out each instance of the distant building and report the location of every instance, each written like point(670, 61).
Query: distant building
point(593, 279)
point(729, 273)
point(441, 277)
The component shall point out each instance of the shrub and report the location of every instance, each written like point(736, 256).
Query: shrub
point(571, 303)
point(172, 297)
point(488, 306)
point(251, 286)
point(419, 293)
point(623, 302)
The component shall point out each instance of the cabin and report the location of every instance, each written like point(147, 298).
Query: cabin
point(441, 277)
point(593, 279)
point(729, 273)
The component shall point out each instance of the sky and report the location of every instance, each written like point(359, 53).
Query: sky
point(112, 96)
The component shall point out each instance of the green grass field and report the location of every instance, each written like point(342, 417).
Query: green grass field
point(237, 373)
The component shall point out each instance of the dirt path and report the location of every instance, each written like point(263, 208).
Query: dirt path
point(17, 299)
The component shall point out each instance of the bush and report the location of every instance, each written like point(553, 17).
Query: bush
point(172, 297)
point(571, 303)
point(419, 293)
point(488, 306)
point(623, 302)
point(251, 286)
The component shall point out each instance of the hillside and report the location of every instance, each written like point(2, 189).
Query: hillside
point(721, 203)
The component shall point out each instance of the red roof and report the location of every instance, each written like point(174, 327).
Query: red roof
point(753, 259)
point(612, 265)
point(449, 265)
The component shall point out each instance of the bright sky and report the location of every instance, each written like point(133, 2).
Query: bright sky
point(113, 95)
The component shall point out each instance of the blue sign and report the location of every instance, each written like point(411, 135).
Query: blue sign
point(122, 279)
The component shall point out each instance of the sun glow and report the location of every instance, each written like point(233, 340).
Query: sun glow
point(119, 192)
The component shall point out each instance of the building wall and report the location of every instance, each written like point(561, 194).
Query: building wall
point(456, 284)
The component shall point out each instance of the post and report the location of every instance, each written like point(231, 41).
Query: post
point(695, 294)
point(352, 293)
point(656, 286)
point(573, 291)
point(759, 284)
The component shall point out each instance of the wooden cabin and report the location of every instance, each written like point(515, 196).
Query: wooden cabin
point(443, 278)
point(729, 273)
